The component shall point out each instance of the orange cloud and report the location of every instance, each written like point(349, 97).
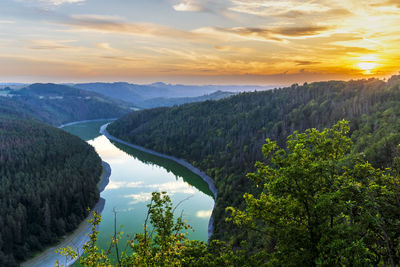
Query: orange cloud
point(116, 25)
point(275, 33)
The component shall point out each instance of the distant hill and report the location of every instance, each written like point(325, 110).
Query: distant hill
point(160, 94)
point(132, 93)
point(169, 102)
point(57, 104)
point(12, 85)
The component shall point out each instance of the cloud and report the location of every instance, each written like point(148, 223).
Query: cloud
point(50, 44)
point(60, 2)
point(49, 2)
point(292, 9)
point(170, 187)
point(39, 68)
point(124, 59)
point(189, 5)
point(226, 48)
point(174, 187)
point(306, 62)
point(295, 14)
point(111, 24)
point(139, 198)
point(106, 46)
point(204, 214)
point(275, 34)
point(117, 185)
point(267, 8)
point(7, 22)
point(395, 3)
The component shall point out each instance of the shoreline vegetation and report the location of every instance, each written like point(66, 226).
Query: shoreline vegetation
point(84, 121)
point(75, 239)
point(201, 174)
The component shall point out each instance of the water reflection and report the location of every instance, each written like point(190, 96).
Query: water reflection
point(168, 165)
point(135, 175)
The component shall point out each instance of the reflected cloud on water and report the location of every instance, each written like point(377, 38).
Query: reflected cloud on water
point(204, 214)
point(139, 198)
point(170, 187)
point(122, 184)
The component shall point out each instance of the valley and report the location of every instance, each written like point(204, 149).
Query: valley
point(147, 148)
point(203, 133)
point(135, 174)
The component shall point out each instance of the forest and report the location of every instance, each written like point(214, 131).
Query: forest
point(318, 205)
point(224, 138)
point(48, 181)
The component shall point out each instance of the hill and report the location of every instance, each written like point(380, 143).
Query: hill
point(224, 137)
point(169, 102)
point(57, 104)
point(161, 94)
point(48, 180)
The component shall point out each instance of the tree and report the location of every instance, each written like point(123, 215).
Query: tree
point(321, 206)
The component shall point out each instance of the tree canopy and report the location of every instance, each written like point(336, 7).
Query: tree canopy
point(48, 180)
point(320, 205)
point(223, 138)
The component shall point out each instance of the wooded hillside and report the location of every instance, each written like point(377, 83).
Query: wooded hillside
point(48, 180)
point(58, 104)
point(224, 137)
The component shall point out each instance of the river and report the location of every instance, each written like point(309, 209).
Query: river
point(134, 175)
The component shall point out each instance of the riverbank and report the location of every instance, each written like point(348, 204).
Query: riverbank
point(84, 121)
point(77, 238)
point(201, 174)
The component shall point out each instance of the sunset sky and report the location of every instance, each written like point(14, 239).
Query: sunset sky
point(198, 41)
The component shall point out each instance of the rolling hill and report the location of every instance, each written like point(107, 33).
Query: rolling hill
point(57, 104)
point(161, 94)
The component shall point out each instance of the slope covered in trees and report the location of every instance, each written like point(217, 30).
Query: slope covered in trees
point(319, 205)
point(57, 104)
point(48, 180)
point(224, 137)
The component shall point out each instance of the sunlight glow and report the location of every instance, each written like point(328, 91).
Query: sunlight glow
point(263, 42)
point(367, 63)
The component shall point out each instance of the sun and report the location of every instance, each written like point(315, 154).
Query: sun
point(367, 63)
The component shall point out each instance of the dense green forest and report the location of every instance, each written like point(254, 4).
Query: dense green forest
point(48, 180)
point(224, 137)
point(318, 205)
point(48, 177)
point(57, 104)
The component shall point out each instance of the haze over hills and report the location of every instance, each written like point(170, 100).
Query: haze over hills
point(169, 102)
point(126, 94)
point(161, 94)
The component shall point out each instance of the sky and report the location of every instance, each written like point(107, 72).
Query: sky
point(266, 42)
